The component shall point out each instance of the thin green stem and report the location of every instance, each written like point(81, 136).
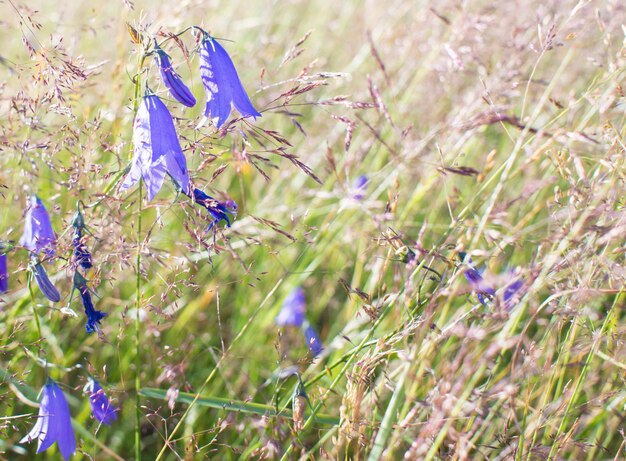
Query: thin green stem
point(32, 298)
point(142, 57)
point(137, 336)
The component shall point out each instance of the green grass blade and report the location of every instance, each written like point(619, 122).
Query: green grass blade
point(233, 405)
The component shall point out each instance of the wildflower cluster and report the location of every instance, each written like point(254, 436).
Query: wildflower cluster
point(157, 153)
point(54, 423)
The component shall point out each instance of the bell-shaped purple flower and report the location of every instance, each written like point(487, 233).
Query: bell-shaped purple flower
point(44, 283)
point(172, 80)
point(54, 423)
point(221, 83)
point(4, 274)
point(157, 150)
point(484, 292)
point(81, 252)
point(513, 293)
point(219, 211)
point(292, 310)
point(359, 187)
point(101, 408)
point(312, 339)
point(93, 316)
point(38, 234)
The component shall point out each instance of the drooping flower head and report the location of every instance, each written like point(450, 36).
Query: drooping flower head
point(54, 423)
point(93, 316)
point(292, 314)
point(484, 292)
point(38, 234)
point(44, 283)
point(101, 408)
point(292, 310)
point(172, 80)
point(221, 83)
point(81, 252)
point(157, 150)
point(4, 274)
point(219, 211)
point(359, 187)
point(312, 339)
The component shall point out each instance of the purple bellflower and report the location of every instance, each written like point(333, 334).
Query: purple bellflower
point(101, 408)
point(359, 187)
point(81, 252)
point(513, 293)
point(4, 274)
point(44, 283)
point(172, 80)
point(221, 83)
point(483, 291)
point(38, 234)
point(292, 313)
point(312, 339)
point(93, 316)
point(157, 150)
point(219, 211)
point(292, 310)
point(54, 423)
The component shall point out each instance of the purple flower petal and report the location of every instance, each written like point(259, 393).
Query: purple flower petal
point(172, 80)
point(312, 339)
point(81, 252)
point(38, 234)
point(44, 283)
point(359, 187)
point(512, 293)
point(93, 316)
point(157, 150)
point(222, 84)
point(54, 423)
point(4, 274)
point(484, 292)
point(219, 211)
point(292, 311)
point(101, 408)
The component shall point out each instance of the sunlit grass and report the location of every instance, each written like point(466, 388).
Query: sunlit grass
point(495, 130)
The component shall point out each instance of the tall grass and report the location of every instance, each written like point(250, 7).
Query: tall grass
point(494, 129)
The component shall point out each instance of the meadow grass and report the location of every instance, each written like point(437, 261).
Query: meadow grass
point(493, 129)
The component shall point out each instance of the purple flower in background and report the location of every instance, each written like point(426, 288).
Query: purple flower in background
point(38, 234)
point(359, 187)
point(292, 311)
point(513, 293)
point(4, 274)
point(93, 316)
point(292, 314)
point(54, 423)
point(221, 83)
point(483, 291)
point(218, 210)
point(312, 339)
point(172, 80)
point(44, 283)
point(157, 150)
point(101, 408)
